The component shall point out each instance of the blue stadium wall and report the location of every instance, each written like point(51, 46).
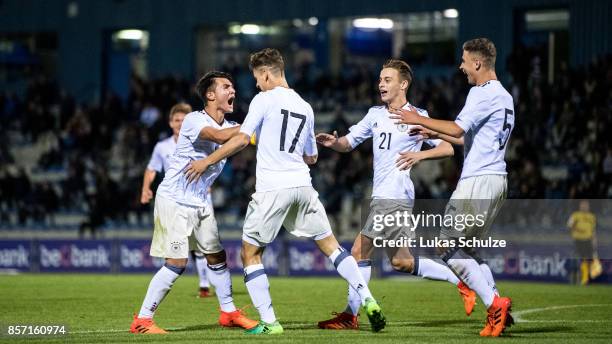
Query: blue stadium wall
point(172, 26)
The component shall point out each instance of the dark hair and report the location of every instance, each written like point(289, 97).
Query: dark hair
point(207, 82)
point(483, 47)
point(180, 107)
point(404, 69)
point(268, 57)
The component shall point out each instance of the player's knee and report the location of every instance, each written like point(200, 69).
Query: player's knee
point(402, 264)
point(179, 263)
point(216, 258)
point(441, 251)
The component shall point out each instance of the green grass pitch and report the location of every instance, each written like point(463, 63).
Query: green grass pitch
point(98, 309)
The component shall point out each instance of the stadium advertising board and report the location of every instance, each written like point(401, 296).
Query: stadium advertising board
point(527, 261)
point(15, 255)
point(305, 259)
point(134, 256)
point(75, 256)
point(271, 257)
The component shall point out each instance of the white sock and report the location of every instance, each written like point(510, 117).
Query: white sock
point(354, 301)
point(202, 268)
point(222, 281)
point(160, 285)
point(258, 286)
point(430, 269)
point(347, 268)
point(469, 272)
point(486, 271)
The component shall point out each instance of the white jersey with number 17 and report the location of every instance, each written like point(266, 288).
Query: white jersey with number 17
point(487, 118)
point(284, 123)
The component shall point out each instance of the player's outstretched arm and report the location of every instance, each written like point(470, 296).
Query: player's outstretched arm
point(219, 136)
point(332, 141)
point(196, 168)
point(412, 117)
point(427, 134)
point(147, 194)
point(407, 160)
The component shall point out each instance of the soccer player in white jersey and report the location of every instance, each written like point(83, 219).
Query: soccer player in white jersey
point(483, 126)
point(284, 124)
point(393, 190)
point(184, 219)
point(159, 163)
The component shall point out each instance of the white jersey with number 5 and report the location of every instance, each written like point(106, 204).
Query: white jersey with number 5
point(284, 123)
point(487, 118)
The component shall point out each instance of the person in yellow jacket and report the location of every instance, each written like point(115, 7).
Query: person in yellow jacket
point(582, 225)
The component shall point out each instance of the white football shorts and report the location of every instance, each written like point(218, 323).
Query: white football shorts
point(181, 228)
point(298, 209)
point(480, 198)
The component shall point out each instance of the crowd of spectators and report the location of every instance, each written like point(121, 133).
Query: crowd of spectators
point(559, 148)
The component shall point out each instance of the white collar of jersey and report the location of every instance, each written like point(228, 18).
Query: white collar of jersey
point(211, 117)
point(405, 106)
point(487, 82)
point(282, 87)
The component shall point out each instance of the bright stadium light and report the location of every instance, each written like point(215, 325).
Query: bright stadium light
point(249, 29)
point(373, 23)
point(130, 34)
point(313, 21)
point(451, 13)
point(298, 22)
point(235, 29)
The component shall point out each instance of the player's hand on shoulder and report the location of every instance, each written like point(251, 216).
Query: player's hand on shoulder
point(424, 133)
point(327, 140)
point(404, 116)
point(407, 160)
point(195, 169)
point(146, 196)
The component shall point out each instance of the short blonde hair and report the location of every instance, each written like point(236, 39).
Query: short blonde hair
point(483, 47)
point(403, 68)
point(180, 107)
point(268, 57)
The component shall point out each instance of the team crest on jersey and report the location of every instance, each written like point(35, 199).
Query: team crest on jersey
point(402, 127)
point(175, 246)
point(375, 125)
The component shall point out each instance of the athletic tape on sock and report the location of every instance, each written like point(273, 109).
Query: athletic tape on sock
point(177, 270)
point(253, 275)
point(364, 263)
point(340, 258)
point(218, 267)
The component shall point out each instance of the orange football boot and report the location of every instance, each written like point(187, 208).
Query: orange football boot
point(145, 326)
point(341, 321)
point(204, 292)
point(468, 296)
point(236, 318)
point(498, 317)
